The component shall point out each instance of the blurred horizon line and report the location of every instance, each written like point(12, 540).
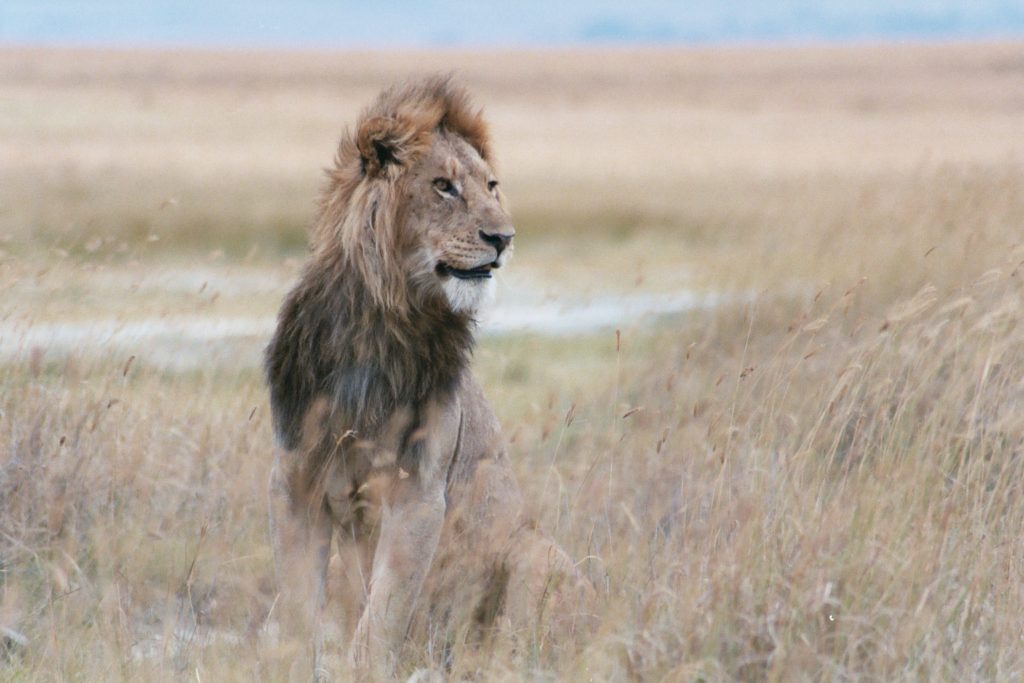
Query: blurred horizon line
point(509, 48)
point(530, 24)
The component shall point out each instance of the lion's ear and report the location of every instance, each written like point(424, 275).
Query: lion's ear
point(379, 141)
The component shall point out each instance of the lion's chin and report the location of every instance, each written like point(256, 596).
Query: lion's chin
point(468, 296)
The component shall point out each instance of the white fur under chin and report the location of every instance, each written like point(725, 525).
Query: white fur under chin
point(468, 296)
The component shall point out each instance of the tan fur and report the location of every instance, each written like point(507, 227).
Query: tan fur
point(385, 440)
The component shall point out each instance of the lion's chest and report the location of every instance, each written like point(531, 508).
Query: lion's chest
point(412, 444)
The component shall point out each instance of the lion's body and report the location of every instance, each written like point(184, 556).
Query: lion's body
point(385, 441)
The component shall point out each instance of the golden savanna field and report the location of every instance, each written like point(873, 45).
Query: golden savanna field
point(808, 464)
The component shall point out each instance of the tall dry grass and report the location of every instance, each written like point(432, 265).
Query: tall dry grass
point(766, 492)
point(839, 501)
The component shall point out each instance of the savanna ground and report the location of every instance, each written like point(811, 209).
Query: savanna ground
point(820, 477)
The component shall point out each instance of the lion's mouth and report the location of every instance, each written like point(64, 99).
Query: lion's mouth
point(478, 273)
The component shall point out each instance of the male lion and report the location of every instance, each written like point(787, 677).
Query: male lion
point(382, 433)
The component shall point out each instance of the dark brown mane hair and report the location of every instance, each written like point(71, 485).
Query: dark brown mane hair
point(353, 338)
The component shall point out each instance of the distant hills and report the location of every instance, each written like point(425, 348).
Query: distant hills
point(453, 23)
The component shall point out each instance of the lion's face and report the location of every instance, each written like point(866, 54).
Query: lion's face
point(454, 220)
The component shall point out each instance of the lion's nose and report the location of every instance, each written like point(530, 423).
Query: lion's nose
point(498, 239)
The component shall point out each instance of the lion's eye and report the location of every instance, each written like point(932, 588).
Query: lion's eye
point(445, 186)
point(492, 185)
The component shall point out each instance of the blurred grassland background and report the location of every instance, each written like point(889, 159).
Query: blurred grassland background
point(817, 473)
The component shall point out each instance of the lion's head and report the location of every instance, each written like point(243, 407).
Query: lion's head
point(413, 203)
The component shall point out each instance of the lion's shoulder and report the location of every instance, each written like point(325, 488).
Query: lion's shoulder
point(479, 432)
point(478, 416)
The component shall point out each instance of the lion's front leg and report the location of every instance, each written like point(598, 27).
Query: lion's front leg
point(301, 538)
point(412, 517)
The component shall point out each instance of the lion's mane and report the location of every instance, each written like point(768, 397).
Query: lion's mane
point(355, 339)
